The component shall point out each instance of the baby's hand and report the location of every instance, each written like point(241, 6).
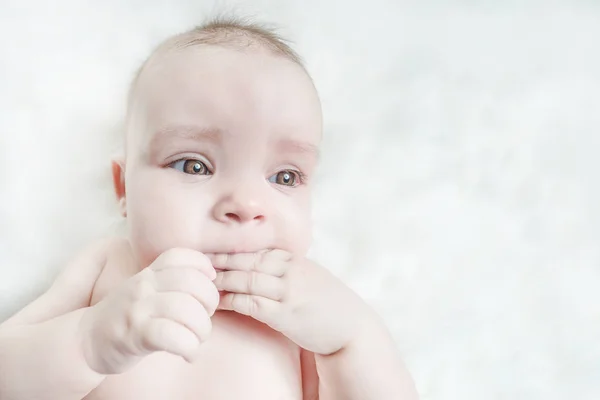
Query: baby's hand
point(165, 307)
point(294, 296)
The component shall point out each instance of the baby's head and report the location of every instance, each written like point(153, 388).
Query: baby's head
point(223, 131)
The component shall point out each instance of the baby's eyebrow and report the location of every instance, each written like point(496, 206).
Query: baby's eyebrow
point(294, 146)
point(166, 134)
point(188, 132)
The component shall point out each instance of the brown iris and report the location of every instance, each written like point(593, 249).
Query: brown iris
point(194, 167)
point(285, 178)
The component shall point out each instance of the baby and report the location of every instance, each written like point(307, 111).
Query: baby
point(210, 295)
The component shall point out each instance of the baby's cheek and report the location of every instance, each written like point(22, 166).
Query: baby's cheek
point(153, 235)
point(303, 243)
point(158, 223)
point(296, 231)
point(147, 239)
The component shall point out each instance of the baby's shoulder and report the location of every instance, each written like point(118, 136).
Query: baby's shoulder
point(117, 250)
point(88, 263)
point(72, 288)
point(118, 264)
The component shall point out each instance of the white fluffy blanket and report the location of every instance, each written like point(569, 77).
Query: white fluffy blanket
point(458, 191)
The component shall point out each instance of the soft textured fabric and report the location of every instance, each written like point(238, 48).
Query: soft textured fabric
point(458, 191)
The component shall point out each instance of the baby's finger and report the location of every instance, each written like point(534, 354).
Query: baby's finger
point(275, 263)
point(248, 262)
point(236, 262)
point(260, 308)
point(184, 310)
point(255, 283)
point(161, 334)
point(182, 257)
point(191, 281)
point(278, 255)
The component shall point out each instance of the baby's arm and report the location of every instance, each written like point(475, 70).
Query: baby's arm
point(369, 368)
point(353, 354)
point(40, 353)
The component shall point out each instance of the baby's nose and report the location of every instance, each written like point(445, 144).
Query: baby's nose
point(239, 209)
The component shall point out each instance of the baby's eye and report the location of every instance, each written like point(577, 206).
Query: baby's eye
point(191, 166)
point(287, 178)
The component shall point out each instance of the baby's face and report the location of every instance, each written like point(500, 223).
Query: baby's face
point(221, 153)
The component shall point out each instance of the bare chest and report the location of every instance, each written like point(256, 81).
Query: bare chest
point(242, 360)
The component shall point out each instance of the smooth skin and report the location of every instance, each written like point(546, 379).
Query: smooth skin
point(210, 295)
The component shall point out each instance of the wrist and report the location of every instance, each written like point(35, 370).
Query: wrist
point(87, 342)
point(367, 330)
point(83, 339)
point(366, 339)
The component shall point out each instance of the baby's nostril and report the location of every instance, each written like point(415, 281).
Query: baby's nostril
point(232, 216)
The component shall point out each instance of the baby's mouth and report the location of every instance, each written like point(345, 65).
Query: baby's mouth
point(231, 253)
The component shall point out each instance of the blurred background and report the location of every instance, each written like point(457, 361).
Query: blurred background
point(458, 191)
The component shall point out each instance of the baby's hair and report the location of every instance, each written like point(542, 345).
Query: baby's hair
point(237, 33)
point(230, 32)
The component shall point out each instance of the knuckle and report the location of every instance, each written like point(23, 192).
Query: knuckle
point(236, 301)
point(196, 276)
point(221, 259)
point(191, 303)
point(204, 259)
point(252, 282)
point(254, 306)
point(180, 278)
point(278, 254)
point(150, 336)
point(157, 335)
point(282, 292)
point(141, 287)
point(161, 259)
point(220, 280)
point(195, 282)
point(213, 299)
point(176, 278)
point(205, 328)
point(170, 257)
point(133, 314)
point(133, 324)
point(113, 330)
point(176, 301)
point(196, 309)
point(256, 259)
point(188, 275)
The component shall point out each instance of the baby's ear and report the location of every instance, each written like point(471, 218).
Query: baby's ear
point(118, 174)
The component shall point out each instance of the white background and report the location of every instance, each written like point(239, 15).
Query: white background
point(459, 187)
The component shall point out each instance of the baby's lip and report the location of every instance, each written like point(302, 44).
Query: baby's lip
point(213, 254)
point(237, 251)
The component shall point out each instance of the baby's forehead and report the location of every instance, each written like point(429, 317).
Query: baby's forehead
point(238, 95)
point(215, 76)
point(176, 64)
point(225, 33)
point(179, 57)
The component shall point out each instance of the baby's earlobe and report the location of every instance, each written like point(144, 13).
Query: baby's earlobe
point(123, 207)
point(118, 176)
